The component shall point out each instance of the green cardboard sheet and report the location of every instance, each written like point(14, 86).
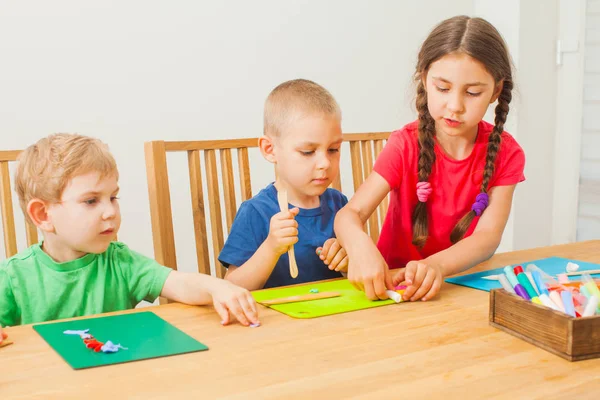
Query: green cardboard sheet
point(145, 335)
point(351, 299)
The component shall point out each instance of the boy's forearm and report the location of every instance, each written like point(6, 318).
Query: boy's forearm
point(188, 288)
point(466, 253)
point(255, 272)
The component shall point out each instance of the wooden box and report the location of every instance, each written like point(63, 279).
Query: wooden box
point(571, 338)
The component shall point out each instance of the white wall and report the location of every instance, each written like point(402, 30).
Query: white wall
point(130, 71)
point(588, 226)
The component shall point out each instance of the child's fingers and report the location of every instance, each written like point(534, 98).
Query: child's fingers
point(334, 249)
point(354, 280)
point(412, 279)
point(380, 288)
point(342, 265)
point(287, 232)
point(237, 310)
point(249, 308)
point(335, 261)
point(409, 272)
point(435, 288)
point(223, 313)
point(425, 285)
point(388, 279)
point(398, 278)
point(326, 248)
point(369, 289)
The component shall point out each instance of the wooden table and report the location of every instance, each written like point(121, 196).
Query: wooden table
point(441, 348)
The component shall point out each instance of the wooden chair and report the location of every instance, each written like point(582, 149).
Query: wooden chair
point(6, 204)
point(364, 148)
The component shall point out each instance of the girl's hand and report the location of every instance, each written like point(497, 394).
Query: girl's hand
point(423, 280)
point(368, 271)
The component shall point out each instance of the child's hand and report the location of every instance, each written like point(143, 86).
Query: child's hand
point(3, 335)
point(423, 280)
point(333, 255)
point(368, 271)
point(283, 231)
point(229, 298)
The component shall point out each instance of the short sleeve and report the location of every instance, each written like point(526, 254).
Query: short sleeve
point(391, 162)
point(145, 277)
point(511, 164)
point(344, 200)
point(9, 314)
point(248, 231)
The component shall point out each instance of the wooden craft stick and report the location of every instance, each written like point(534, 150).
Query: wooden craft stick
point(589, 271)
point(283, 205)
point(303, 297)
point(6, 343)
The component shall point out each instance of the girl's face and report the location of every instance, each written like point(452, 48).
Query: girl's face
point(459, 92)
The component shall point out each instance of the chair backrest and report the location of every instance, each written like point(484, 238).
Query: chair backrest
point(6, 204)
point(364, 148)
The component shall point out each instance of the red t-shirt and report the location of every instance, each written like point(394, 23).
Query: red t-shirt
point(454, 183)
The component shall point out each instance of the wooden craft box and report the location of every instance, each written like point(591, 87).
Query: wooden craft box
point(571, 338)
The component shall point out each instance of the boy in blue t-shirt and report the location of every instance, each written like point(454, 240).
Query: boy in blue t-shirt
point(302, 137)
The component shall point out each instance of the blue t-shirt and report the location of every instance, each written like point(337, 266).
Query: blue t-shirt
point(251, 228)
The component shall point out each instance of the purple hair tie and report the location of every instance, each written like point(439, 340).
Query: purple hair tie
point(481, 202)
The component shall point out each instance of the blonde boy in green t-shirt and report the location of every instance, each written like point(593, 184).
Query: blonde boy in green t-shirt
point(67, 187)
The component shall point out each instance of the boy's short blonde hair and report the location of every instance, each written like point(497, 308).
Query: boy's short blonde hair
point(45, 168)
point(295, 98)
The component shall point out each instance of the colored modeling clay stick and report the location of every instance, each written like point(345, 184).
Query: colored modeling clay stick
point(506, 284)
point(537, 300)
point(394, 295)
point(520, 290)
point(510, 275)
point(584, 291)
point(539, 282)
point(590, 307)
point(590, 285)
point(524, 281)
point(533, 285)
point(517, 270)
point(567, 300)
point(555, 297)
point(547, 302)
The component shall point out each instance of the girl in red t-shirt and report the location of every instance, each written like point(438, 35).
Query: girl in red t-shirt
point(442, 171)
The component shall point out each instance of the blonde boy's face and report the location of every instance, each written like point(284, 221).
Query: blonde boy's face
point(87, 218)
point(308, 154)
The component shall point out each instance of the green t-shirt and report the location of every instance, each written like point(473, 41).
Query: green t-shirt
point(35, 288)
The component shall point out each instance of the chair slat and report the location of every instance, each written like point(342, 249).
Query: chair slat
point(212, 181)
point(357, 174)
point(244, 167)
point(228, 186)
point(198, 212)
point(160, 203)
point(31, 232)
point(8, 220)
point(383, 207)
point(367, 156)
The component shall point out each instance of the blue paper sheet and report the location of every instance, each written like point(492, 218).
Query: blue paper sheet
point(552, 266)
